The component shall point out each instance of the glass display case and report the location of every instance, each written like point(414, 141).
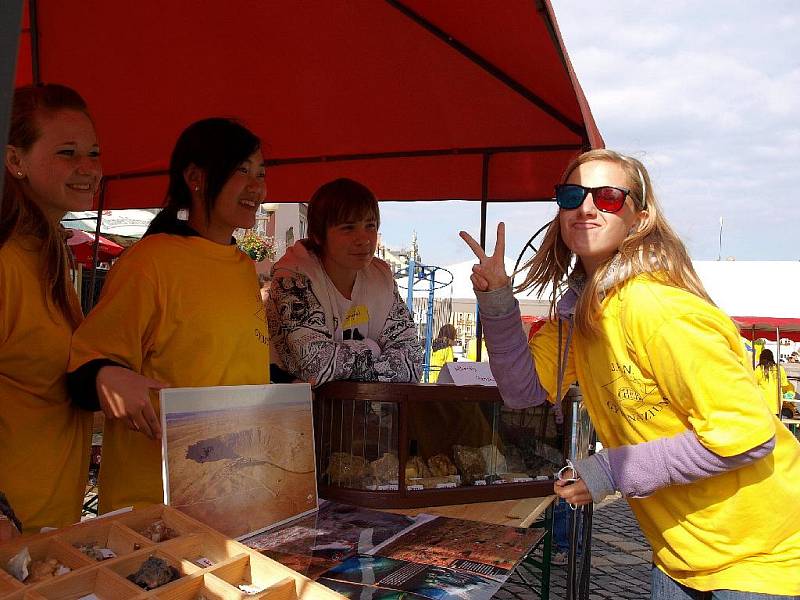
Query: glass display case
point(412, 445)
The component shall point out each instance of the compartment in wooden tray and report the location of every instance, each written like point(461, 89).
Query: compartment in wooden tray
point(48, 555)
point(103, 541)
point(154, 520)
point(133, 564)
point(259, 572)
point(209, 587)
point(230, 564)
point(203, 549)
point(8, 583)
point(21, 595)
point(104, 584)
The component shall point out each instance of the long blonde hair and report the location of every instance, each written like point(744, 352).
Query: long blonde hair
point(652, 246)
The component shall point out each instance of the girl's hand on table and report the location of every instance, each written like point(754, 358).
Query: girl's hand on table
point(490, 273)
point(124, 394)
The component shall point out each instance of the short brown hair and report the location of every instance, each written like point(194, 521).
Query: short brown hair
point(338, 201)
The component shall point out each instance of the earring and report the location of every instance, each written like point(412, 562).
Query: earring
point(197, 188)
point(19, 173)
point(183, 214)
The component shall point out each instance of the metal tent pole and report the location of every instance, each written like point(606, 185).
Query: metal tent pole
point(33, 17)
point(412, 267)
point(431, 276)
point(484, 206)
point(778, 369)
point(10, 20)
point(100, 204)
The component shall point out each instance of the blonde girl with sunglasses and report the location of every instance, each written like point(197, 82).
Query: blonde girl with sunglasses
point(711, 474)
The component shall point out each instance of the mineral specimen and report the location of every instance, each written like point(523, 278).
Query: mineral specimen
point(154, 573)
point(345, 468)
point(441, 465)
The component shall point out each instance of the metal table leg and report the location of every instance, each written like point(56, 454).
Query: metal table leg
point(546, 543)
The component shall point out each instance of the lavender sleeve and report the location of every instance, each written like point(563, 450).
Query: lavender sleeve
point(509, 355)
point(640, 469)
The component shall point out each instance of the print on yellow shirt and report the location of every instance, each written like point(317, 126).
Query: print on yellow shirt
point(261, 330)
point(357, 315)
point(631, 395)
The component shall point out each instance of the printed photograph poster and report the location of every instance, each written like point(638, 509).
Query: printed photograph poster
point(435, 583)
point(481, 548)
point(364, 592)
point(316, 542)
point(239, 458)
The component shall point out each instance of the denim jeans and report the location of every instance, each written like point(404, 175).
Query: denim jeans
point(561, 517)
point(560, 526)
point(663, 587)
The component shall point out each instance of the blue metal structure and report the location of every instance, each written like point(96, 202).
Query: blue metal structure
point(416, 273)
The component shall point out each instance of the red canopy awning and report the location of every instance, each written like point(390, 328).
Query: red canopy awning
point(531, 324)
point(419, 99)
point(767, 327)
point(82, 245)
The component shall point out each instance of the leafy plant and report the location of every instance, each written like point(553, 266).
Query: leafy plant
point(257, 247)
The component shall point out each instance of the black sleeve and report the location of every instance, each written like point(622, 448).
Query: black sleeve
point(8, 512)
point(81, 383)
point(278, 375)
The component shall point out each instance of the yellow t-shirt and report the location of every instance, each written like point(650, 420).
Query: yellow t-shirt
point(767, 384)
point(182, 310)
point(472, 350)
point(44, 438)
point(438, 359)
point(667, 361)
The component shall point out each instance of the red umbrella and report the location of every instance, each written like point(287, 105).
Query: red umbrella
point(82, 245)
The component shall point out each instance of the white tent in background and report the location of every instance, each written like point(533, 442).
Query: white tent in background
point(753, 288)
point(740, 288)
point(128, 223)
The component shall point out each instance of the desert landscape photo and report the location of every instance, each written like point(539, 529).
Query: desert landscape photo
point(243, 468)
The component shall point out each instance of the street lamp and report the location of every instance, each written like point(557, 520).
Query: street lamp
point(719, 255)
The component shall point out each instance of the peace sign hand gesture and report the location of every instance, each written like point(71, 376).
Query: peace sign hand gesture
point(490, 273)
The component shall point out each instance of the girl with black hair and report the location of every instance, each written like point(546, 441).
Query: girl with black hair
point(181, 308)
point(52, 166)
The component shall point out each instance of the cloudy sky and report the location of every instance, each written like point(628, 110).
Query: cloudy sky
point(707, 94)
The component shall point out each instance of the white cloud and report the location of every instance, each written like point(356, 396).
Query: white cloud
point(707, 94)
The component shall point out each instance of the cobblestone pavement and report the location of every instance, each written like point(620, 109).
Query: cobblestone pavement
point(620, 561)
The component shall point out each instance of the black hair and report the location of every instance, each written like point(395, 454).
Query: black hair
point(338, 201)
point(216, 146)
point(766, 361)
point(447, 337)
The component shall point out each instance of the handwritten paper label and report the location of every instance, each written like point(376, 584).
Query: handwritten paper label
point(467, 373)
point(203, 561)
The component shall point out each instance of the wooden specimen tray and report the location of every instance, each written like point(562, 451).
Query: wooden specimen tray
point(210, 566)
